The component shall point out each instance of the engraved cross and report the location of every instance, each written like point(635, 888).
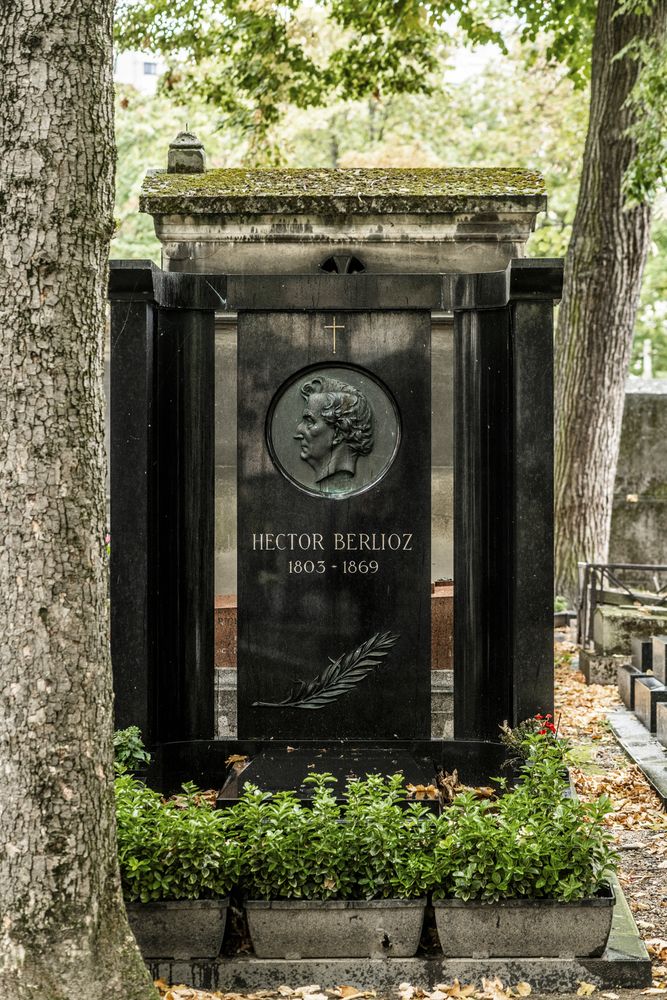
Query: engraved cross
point(334, 329)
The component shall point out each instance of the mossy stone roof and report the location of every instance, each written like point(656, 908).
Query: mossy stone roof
point(424, 190)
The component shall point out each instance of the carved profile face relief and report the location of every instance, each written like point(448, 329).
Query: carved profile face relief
point(336, 426)
point(333, 432)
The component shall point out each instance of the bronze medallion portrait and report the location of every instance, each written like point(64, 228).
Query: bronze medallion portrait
point(333, 431)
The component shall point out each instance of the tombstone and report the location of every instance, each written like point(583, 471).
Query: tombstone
point(383, 318)
point(659, 657)
point(642, 653)
point(626, 678)
point(649, 692)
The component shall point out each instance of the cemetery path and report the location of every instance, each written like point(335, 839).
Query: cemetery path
point(640, 828)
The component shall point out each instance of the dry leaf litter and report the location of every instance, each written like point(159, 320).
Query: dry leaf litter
point(640, 827)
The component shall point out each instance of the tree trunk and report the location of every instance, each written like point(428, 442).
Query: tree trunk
point(603, 272)
point(63, 929)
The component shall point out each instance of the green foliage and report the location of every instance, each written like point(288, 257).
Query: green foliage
point(252, 59)
point(170, 850)
point(292, 851)
point(374, 846)
point(534, 841)
point(517, 739)
point(648, 103)
point(130, 753)
point(566, 24)
point(652, 313)
point(560, 603)
point(388, 840)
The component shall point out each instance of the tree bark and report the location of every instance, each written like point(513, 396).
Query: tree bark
point(603, 272)
point(63, 929)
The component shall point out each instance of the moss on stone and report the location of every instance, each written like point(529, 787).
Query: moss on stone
point(422, 190)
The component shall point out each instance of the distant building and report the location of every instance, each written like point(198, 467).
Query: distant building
point(139, 69)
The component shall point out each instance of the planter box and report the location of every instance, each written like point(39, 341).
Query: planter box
point(294, 928)
point(181, 929)
point(524, 928)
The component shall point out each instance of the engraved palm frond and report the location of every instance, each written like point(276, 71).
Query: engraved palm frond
point(339, 677)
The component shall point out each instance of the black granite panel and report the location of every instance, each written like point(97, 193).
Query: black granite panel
point(659, 657)
point(642, 653)
point(276, 770)
point(483, 500)
point(132, 575)
point(185, 520)
point(333, 558)
point(532, 514)
point(648, 692)
point(204, 761)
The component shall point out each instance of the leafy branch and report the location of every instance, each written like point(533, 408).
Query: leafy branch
point(339, 677)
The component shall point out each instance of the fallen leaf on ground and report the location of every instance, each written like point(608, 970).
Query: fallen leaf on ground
point(455, 990)
point(586, 989)
point(657, 948)
point(492, 989)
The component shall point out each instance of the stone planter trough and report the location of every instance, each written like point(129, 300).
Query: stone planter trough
point(182, 929)
point(525, 928)
point(292, 929)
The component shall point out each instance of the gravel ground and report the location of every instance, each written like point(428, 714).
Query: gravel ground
point(640, 829)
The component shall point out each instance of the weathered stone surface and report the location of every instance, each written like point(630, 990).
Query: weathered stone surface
point(614, 627)
point(648, 693)
point(293, 221)
point(388, 190)
point(640, 493)
point(186, 155)
point(442, 704)
point(599, 669)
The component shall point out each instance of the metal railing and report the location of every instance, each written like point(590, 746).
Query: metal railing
point(617, 583)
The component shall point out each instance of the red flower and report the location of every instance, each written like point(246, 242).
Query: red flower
point(539, 716)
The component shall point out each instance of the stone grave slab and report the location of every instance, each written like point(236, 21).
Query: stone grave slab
point(659, 650)
point(598, 668)
point(626, 677)
point(642, 653)
point(614, 627)
point(661, 722)
point(648, 693)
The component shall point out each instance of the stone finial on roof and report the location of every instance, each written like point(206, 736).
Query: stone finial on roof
point(186, 155)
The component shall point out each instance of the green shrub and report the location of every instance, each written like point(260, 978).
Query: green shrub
point(369, 847)
point(291, 850)
point(534, 841)
point(170, 850)
point(130, 753)
point(388, 840)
